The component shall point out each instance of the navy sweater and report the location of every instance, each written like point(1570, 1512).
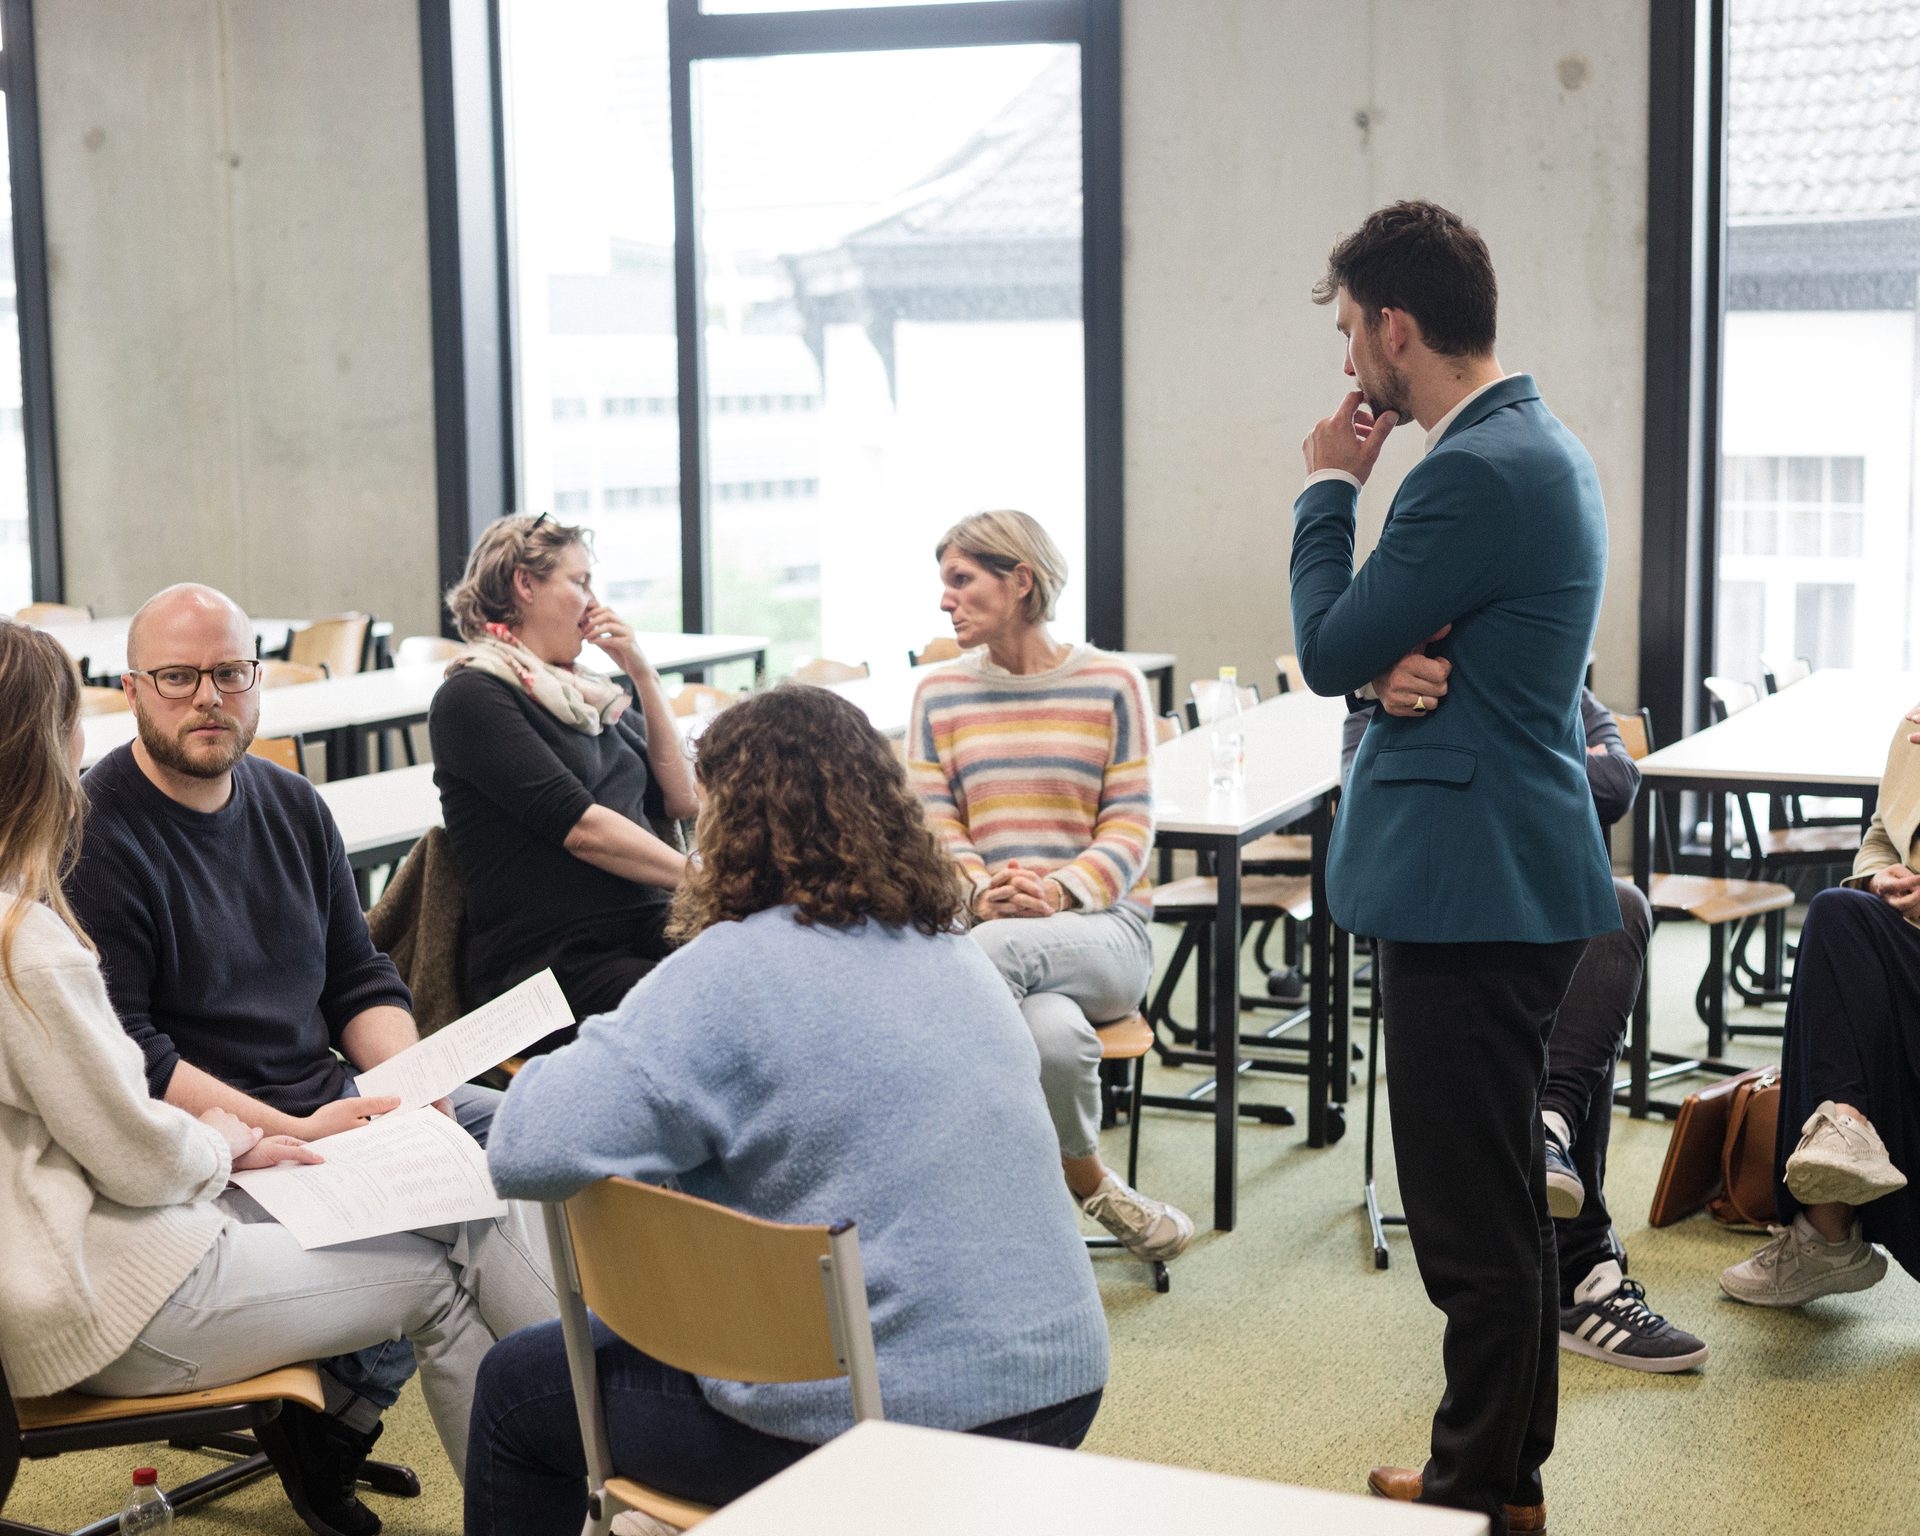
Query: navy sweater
point(232, 941)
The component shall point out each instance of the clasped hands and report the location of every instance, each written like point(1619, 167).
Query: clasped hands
point(1017, 892)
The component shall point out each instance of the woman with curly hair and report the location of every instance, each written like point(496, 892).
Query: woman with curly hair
point(1032, 758)
point(797, 1059)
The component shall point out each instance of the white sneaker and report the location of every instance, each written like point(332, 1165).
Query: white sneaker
point(1840, 1160)
point(1799, 1265)
point(1148, 1229)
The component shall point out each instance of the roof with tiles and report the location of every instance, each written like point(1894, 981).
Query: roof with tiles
point(1823, 109)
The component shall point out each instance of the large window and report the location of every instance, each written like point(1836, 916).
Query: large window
point(1817, 509)
point(895, 301)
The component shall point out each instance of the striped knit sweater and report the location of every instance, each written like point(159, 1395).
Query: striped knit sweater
point(1051, 768)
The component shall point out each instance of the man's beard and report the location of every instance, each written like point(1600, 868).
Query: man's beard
point(171, 751)
point(1391, 392)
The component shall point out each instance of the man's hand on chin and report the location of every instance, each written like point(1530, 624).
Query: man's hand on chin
point(1350, 439)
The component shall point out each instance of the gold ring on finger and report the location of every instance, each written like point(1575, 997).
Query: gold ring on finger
point(1419, 703)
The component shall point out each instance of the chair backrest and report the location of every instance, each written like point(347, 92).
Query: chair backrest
point(426, 651)
point(1636, 733)
point(53, 613)
point(1728, 696)
point(1782, 673)
point(1165, 728)
point(339, 643)
point(103, 701)
point(1287, 674)
point(275, 673)
point(939, 648)
point(700, 699)
point(820, 671)
point(1201, 689)
point(287, 751)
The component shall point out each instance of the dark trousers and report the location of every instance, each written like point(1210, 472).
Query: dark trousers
point(1466, 1037)
point(1853, 1036)
point(1581, 1058)
point(526, 1467)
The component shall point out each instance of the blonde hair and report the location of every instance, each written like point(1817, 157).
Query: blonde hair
point(1004, 541)
point(41, 803)
point(484, 594)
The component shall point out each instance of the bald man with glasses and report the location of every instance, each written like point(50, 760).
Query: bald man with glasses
point(237, 957)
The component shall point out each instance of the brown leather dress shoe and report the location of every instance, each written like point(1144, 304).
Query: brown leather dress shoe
point(1404, 1483)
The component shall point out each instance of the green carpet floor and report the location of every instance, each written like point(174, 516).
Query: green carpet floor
point(1281, 1353)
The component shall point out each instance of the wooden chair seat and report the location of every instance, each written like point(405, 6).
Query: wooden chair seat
point(290, 1383)
point(1842, 842)
point(1279, 848)
point(661, 1506)
point(1711, 901)
point(1125, 1039)
point(1196, 895)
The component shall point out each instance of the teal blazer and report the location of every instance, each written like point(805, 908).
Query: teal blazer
point(1473, 823)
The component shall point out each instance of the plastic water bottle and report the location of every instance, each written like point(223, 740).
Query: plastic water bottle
point(1229, 743)
point(148, 1509)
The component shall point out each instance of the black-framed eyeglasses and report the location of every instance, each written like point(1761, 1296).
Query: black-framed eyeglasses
point(183, 682)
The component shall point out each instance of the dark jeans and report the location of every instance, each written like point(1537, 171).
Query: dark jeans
point(1853, 1036)
point(527, 1470)
point(1581, 1058)
point(1466, 1038)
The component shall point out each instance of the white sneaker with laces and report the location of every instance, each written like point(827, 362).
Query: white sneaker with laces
point(1148, 1229)
point(1840, 1160)
point(1799, 1265)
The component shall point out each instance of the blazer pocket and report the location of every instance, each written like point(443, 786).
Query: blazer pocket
point(1440, 765)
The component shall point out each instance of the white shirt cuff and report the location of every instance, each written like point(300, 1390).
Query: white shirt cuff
point(1331, 474)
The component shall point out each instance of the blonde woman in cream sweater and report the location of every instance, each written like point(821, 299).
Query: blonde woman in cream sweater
point(120, 1274)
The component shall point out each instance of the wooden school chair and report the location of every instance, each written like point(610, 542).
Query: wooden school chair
point(241, 1419)
point(275, 673)
point(53, 613)
point(939, 648)
point(426, 651)
point(339, 644)
point(1716, 902)
point(820, 672)
point(700, 699)
point(95, 700)
point(288, 752)
point(1124, 1046)
point(707, 1290)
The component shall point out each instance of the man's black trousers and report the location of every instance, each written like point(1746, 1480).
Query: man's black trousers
point(1466, 1043)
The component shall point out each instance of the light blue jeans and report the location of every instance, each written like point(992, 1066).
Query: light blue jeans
point(1070, 972)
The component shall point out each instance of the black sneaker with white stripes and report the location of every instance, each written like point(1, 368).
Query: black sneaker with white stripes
point(1611, 1321)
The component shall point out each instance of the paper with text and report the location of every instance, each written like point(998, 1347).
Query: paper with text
point(414, 1168)
point(468, 1046)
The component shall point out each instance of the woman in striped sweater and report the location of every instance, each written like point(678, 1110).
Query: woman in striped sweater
point(1032, 758)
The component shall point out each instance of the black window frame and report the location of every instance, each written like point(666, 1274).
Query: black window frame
point(469, 234)
point(19, 78)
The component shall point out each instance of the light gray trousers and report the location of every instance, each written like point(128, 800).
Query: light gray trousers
point(258, 1300)
point(1070, 972)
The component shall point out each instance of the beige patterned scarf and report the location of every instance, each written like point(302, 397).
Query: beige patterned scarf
point(579, 699)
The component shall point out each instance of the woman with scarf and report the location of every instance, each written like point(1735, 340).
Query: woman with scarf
point(552, 777)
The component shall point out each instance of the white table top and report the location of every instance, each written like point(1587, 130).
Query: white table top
point(886, 698)
point(883, 1479)
point(383, 810)
point(305, 709)
point(680, 653)
point(1292, 754)
point(1834, 728)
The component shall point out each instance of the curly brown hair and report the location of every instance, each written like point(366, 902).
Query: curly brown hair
point(806, 805)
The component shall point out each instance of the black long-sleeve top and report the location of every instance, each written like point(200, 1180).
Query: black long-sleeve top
point(231, 940)
point(513, 783)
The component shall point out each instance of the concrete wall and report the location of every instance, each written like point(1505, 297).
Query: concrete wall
point(1257, 132)
point(236, 231)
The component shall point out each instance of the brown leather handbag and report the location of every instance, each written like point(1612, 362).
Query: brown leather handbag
point(1721, 1152)
point(1746, 1162)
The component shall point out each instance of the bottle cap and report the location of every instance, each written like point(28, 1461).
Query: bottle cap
point(145, 1477)
point(1229, 674)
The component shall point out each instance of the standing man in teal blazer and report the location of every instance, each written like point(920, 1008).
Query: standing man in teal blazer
point(1468, 844)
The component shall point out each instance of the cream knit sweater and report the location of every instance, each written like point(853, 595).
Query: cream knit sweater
point(106, 1202)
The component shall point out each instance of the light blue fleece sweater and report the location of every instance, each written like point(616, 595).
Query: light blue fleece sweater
point(807, 1074)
